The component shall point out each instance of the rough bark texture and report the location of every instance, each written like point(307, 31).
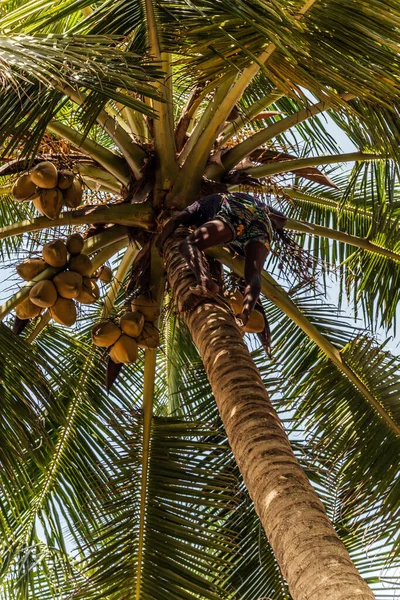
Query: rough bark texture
point(312, 558)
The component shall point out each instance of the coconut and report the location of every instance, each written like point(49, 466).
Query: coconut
point(73, 194)
point(236, 300)
point(24, 189)
point(150, 336)
point(105, 334)
point(255, 324)
point(81, 264)
point(27, 310)
point(148, 307)
point(132, 323)
point(43, 294)
point(125, 350)
point(75, 243)
point(64, 311)
point(65, 179)
point(90, 291)
point(55, 253)
point(49, 203)
point(31, 267)
point(45, 175)
point(68, 284)
point(105, 274)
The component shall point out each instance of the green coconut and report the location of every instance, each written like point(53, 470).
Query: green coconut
point(132, 323)
point(45, 175)
point(125, 350)
point(150, 336)
point(43, 294)
point(55, 253)
point(75, 243)
point(147, 306)
point(63, 311)
point(31, 267)
point(81, 264)
point(65, 179)
point(27, 310)
point(24, 189)
point(73, 195)
point(49, 203)
point(68, 284)
point(105, 334)
point(90, 291)
point(105, 274)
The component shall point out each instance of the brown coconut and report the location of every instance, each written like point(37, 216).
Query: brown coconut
point(73, 194)
point(105, 334)
point(150, 336)
point(43, 294)
point(125, 350)
point(65, 179)
point(255, 324)
point(27, 310)
point(64, 311)
point(90, 291)
point(105, 274)
point(45, 175)
point(49, 203)
point(236, 300)
point(75, 243)
point(132, 323)
point(24, 189)
point(55, 253)
point(81, 264)
point(31, 267)
point(68, 284)
point(148, 307)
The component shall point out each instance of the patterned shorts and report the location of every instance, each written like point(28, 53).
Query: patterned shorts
point(248, 222)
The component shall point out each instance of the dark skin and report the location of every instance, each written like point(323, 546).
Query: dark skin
point(215, 233)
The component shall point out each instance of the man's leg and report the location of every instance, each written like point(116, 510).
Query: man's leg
point(210, 234)
point(255, 256)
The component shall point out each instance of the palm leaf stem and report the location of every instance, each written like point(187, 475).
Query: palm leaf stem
point(148, 390)
point(132, 215)
point(239, 152)
point(201, 142)
point(282, 300)
point(244, 119)
point(274, 168)
point(164, 124)
point(132, 152)
point(100, 177)
point(136, 123)
point(340, 236)
point(190, 175)
point(123, 268)
point(113, 163)
point(40, 325)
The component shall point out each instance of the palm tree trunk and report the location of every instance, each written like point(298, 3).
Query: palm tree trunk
point(312, 558)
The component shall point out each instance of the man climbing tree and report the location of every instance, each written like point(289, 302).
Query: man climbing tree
point(239, 219)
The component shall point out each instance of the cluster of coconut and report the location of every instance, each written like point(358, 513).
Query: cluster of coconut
point(135, 329)
point(256, 323)
point(73, 283)
point(48, 189)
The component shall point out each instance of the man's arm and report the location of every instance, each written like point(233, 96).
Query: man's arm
point(171, 226)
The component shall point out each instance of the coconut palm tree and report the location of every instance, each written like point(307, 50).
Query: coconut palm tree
point(144, 491)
